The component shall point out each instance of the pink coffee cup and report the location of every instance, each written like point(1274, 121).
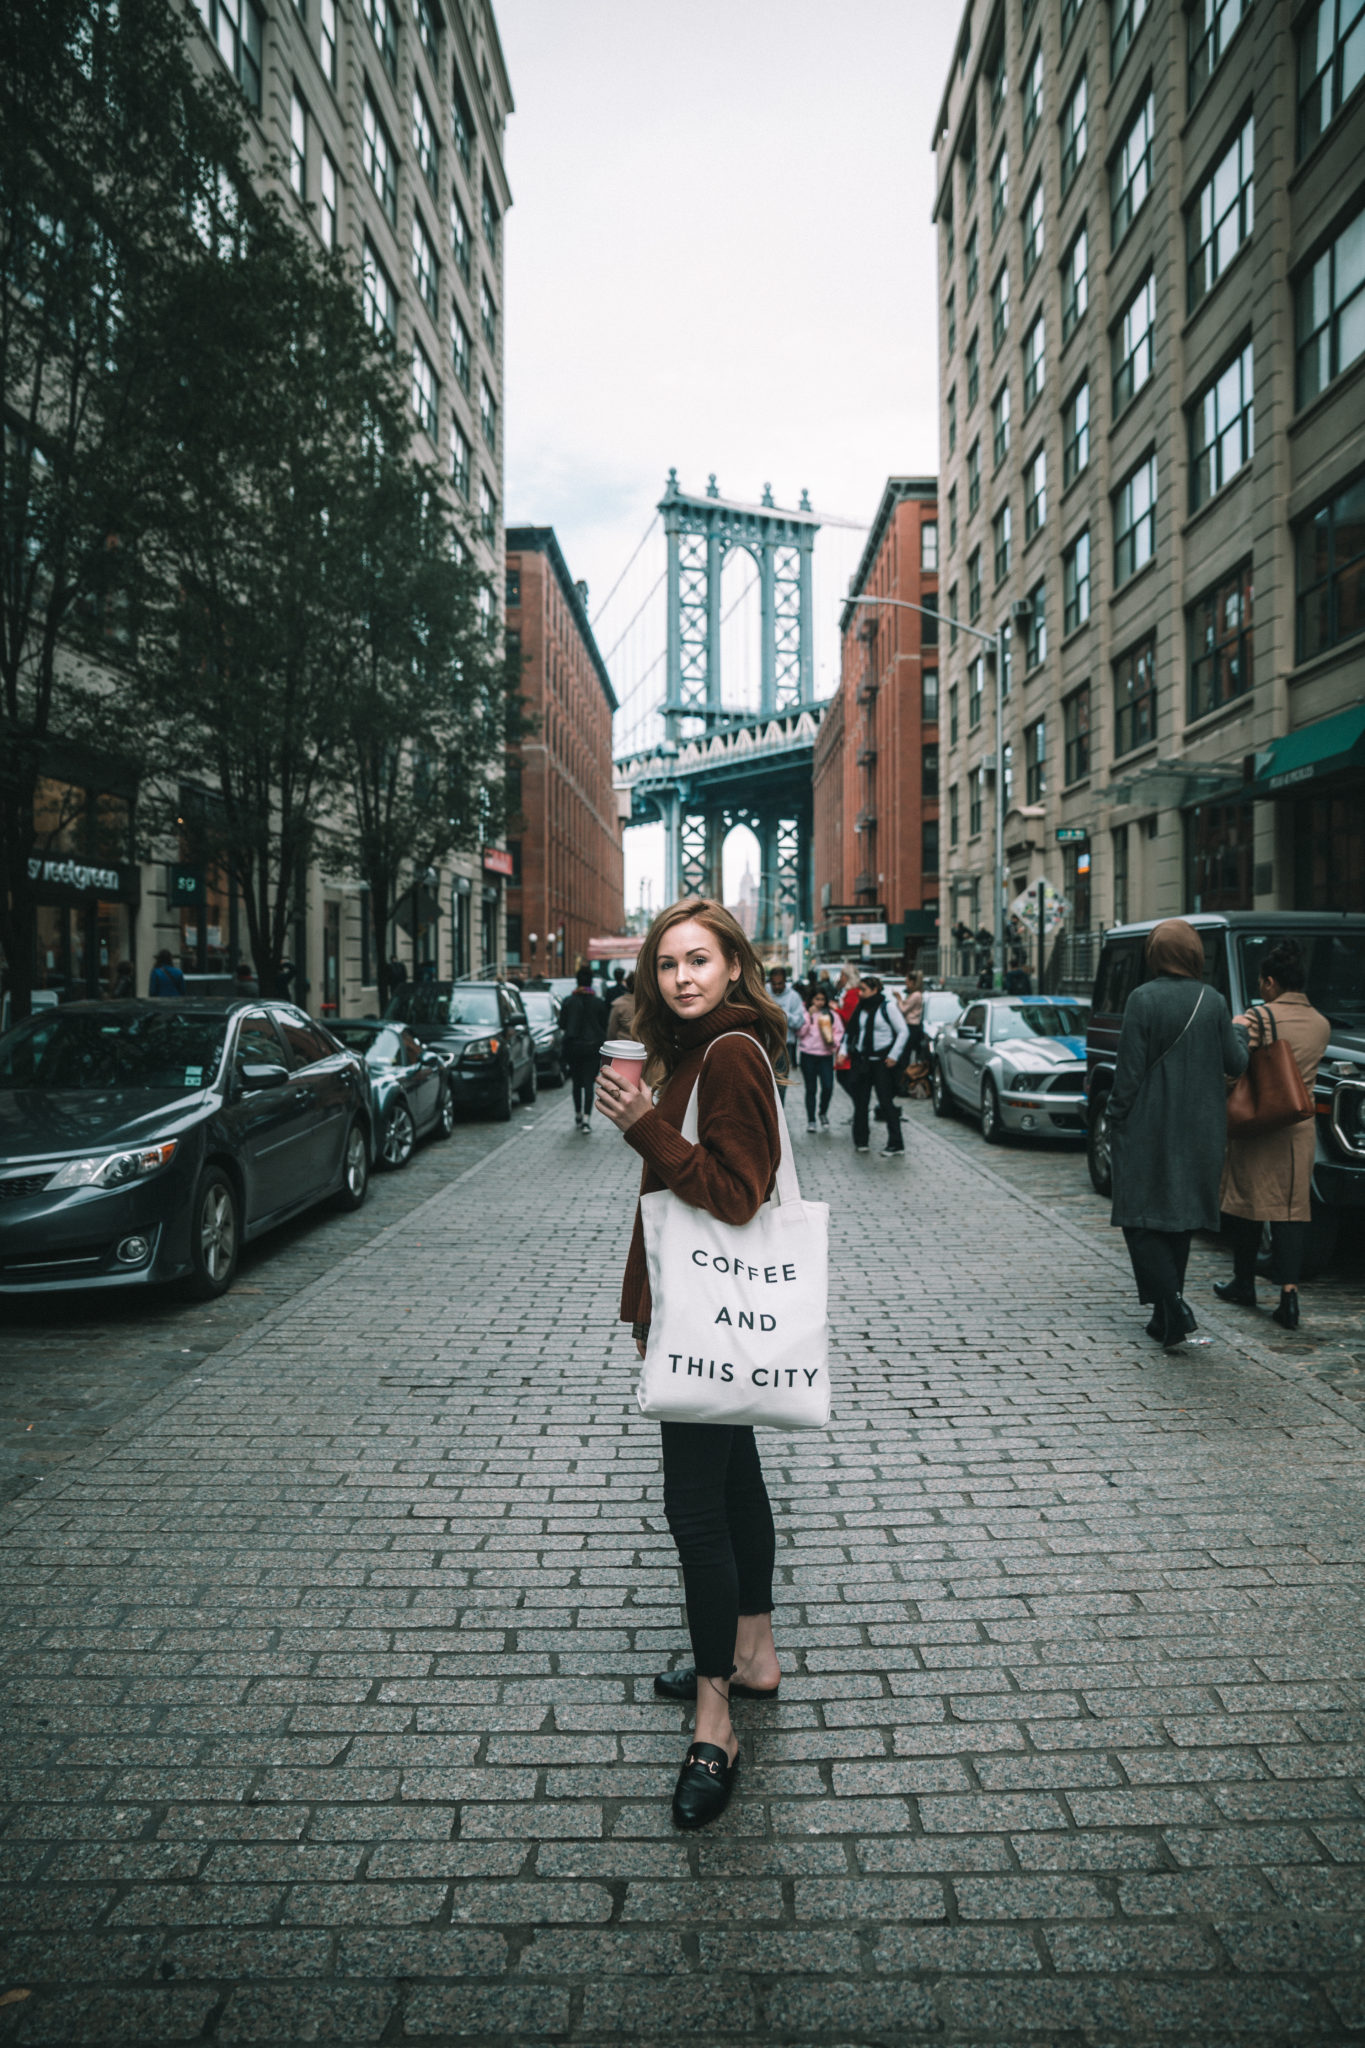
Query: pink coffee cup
point(626, 1057)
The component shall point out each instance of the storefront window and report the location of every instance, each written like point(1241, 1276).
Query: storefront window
point(1218, 851)
point(87, 890)
point(1329, 851)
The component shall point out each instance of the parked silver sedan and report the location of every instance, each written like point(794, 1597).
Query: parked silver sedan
point(1017, 1063)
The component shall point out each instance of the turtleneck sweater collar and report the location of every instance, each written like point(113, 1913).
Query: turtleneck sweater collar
point(690, 1032)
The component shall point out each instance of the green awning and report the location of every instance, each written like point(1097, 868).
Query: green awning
point(1325, 748)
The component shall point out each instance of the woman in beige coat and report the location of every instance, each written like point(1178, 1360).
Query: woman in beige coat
point(1267, 1176)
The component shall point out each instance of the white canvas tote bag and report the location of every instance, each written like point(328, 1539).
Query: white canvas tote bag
point(739, 1328)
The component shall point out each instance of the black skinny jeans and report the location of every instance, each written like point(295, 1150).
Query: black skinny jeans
point(818, 1068)
point(583, 1069)
point(1289, 1242)
point(718, 1512)
point(871, 1072)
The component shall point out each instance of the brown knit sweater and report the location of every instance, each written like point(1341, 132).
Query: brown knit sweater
point(731, 1168)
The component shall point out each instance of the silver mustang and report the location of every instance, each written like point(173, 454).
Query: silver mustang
point(1017, 1062)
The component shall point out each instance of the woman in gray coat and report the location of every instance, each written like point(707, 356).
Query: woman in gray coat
point(1168, 1117)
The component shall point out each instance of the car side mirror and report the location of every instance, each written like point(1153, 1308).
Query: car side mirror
point(967, 1031)
point(257, 1075)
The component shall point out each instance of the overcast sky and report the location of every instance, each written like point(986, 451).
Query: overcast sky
point(719, 257)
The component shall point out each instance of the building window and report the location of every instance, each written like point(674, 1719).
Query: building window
point(424, 15)
point(1070, 15)
point(488, 315)
point(1076, 734)
point(1212, 25)
point(973, 371)
point(974, 781)
point(1132, 344)
point(1000, 188)
point(953, 816)
point(1035, 761)
point(461, 129)
point(1330, 565)
point(1124, 22)
point(459, 350)
point(1135, 697)
point(379, 14)
point(236, 28)
point(488, 510)
point(1075, 285)
point(1222, 434)
point(1130, 174)
point(1220, 644)
point(973, 477)
point(1000, 540)
point(459, 458)
point(379, 301)
point(949, 243)
point(488, 413)
point(1033, 229)
point(998, 84)
point(1000, 425)
point(298, 144)
point(929, 846)
point(424, 143)
point(1035, 632)
point(1076, 583)
point(1033, 97)
point(928, 707)
point(950, 319)
point(1221, 217)
point(488, 213)
point(974, 585)
point(928, 780)
point(1034, 363)
point(327, 192)
point(1074, 133)
point(928, 546)
point(425, 269)
point(1135, 521)
point(1035, 493)
point(1218, 856)
point(952, 520)
point(976, 671)
point(969, 168)
point(952, 419)
point(1076, 433)
point(424, 390)
point(376, 154)
point(1329, 311)
point(1331, 63)
point(972, 254)
point(928, 625)
point(952, 715)
point(1000, 306)
point(327, 40)
point(952, 615)
point(1119, 837)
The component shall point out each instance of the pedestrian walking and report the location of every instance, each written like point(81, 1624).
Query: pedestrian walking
point(699, 986)
point(817, 1045)
point(583, 1021)
point(620, 1022)
point(166, 978)
point(911, 1005)
point(123, 983)
point(1167, 1115)
point(1267, 1174)
point(845, 1003)
point(794, 1010)
point(877, 1033)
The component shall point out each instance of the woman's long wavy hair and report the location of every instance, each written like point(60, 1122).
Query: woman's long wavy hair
point(655, 1025)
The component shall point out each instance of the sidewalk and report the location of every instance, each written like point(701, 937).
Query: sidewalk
point(326, 1699)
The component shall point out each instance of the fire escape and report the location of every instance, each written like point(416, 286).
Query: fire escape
point(865, 823)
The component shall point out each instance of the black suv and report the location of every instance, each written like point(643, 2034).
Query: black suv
point(482, 1028)
point(1234, 940)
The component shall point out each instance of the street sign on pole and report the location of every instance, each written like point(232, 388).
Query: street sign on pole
point(1071, 835)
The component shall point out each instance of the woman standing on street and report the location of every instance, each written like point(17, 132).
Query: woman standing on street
point(702, 1012)
point(876, 1039)
point(1267, 1175)
point(818, 1041)
point(1168, 1119)
point(911, 1006)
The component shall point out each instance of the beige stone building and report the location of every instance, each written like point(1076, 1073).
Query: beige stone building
point(387, 118)
point(1151, 239)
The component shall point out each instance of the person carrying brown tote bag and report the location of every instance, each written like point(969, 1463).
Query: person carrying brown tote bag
point(1271, 1092)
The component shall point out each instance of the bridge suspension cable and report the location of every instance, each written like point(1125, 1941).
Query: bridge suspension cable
point(645, 601)
point(645, 537)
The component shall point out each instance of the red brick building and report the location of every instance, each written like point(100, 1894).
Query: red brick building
point(876, 756)
point(567, 881)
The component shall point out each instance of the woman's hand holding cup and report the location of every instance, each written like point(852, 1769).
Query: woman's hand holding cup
point(622, 1095)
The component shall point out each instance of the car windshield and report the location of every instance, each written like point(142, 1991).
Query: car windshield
point(163, 1049)
point(1335, 981)
point(376, 1043)
point(356, 1037)
point(1036, 1020)
point(435, 1003)
point(540, 1007)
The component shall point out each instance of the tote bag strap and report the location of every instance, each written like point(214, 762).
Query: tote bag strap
point(788, 1188)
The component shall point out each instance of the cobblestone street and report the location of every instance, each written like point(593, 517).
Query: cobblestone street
point(326, 1696)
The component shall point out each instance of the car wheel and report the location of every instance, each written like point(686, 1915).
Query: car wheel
point(399, 1136)
point(445, 1115)
point(943, 1101)
point(992, 1129)
point(502, 1110)
point(355, 1172)
point(215, 1236)
point(1098, 1154)
point(527, 1090)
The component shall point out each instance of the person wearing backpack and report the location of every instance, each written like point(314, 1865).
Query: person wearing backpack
point(877, 1035)
point(706, 1021)
point(583, 1021)
point(166, 978)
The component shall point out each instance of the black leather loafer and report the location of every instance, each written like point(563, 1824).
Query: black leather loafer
point(704, 1785)
point(1236, 1293)
point(681, 1684)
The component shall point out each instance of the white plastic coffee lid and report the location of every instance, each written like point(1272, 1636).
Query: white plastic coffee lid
point(624, 1049)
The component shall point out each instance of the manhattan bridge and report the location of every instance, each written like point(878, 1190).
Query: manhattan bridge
point(718, 688)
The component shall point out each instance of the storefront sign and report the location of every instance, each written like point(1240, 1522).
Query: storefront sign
point(1072, 835)
point(867, 935)
point(74, 875)
point(185, 885)
point(498, 862)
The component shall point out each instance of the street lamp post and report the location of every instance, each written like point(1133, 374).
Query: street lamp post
point(1018, 612)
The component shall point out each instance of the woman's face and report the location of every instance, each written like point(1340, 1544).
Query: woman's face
point(693, 972)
